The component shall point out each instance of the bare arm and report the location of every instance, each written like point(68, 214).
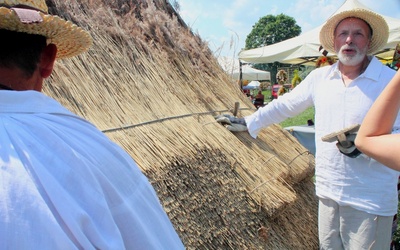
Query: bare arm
point(374, 137)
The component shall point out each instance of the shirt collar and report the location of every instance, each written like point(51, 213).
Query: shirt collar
point(374, 69)
point(372, 72)
point(29, 101)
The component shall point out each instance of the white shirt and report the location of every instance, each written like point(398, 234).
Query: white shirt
point(359, 182)
point(65, 185)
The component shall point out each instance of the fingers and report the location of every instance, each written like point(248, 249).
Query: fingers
point(223, 120)
point(350, 151)
point(232, 123)
point(236, 127)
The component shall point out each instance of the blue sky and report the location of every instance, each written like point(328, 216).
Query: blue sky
point(225, 24)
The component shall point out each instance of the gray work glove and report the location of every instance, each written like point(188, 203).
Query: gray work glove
point(232, 123)
point(348, 147)
point(345, 140)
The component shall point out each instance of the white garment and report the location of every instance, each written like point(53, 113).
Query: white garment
point(361, 183)
point(65, 185)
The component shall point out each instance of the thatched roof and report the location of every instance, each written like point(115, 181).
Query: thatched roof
point(153, 87)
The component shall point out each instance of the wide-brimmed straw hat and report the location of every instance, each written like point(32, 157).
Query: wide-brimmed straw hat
point(31, 16)
point(380, 29)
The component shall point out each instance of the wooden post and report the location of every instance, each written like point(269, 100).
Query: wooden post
point(236, 109)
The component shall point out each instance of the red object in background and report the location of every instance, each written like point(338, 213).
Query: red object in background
point(275, 90)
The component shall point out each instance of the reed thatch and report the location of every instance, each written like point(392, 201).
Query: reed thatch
point(154, 87)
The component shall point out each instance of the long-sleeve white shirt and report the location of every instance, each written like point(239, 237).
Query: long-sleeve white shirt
point(360, 182)
point(65, 185)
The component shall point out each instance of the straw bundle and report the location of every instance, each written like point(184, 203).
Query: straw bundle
point(154, 87)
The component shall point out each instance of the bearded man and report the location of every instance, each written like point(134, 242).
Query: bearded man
point(357, 195)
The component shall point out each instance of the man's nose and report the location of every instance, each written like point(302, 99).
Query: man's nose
point(349, 39)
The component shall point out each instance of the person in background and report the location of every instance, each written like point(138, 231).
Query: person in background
point(260, 95)
point(259, 99)
point(357, 196)
point(64, 184)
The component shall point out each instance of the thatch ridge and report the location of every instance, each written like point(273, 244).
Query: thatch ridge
point(154, 87)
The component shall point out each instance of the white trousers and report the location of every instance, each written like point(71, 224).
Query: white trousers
point(343, 227)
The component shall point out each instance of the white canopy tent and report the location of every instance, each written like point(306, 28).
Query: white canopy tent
point(251, 74)
point(252, 85)
point(231, 66)
point(305, 49)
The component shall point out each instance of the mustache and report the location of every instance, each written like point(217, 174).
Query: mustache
point(347, 46)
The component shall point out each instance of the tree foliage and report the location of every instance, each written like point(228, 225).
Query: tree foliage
point(268, 30)
point(272, 29)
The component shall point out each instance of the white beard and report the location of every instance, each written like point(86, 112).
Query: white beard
point(352, 60)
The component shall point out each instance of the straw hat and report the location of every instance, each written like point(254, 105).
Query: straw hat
point(31, 16)
point(378, 25)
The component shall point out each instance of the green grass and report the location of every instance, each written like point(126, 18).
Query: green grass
point(299, 119)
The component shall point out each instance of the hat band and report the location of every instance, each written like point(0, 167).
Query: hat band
point(22, 6)
point(27, 16)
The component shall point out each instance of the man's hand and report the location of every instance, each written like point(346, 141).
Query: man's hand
point(345, 140)
point(232, 123)
point(349, 148)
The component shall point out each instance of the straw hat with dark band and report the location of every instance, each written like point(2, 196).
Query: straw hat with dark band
point(31, 16)
point(377, 23)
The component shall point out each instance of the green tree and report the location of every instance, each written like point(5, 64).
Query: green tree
point(272, 29)
point(268, 30)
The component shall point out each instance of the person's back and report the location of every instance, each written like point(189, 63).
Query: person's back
point(260, 96)
point(63, 178)
point(64, 184)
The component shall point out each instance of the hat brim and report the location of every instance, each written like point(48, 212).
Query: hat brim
point(378, 25)
point(70, 39)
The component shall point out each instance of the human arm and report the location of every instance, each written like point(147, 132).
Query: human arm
point(374, 137)
point(288, 105)
point(278, 110)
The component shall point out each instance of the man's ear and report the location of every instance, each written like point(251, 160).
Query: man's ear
point(47, 60)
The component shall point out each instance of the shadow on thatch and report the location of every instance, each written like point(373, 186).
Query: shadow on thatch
point(153, 87)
